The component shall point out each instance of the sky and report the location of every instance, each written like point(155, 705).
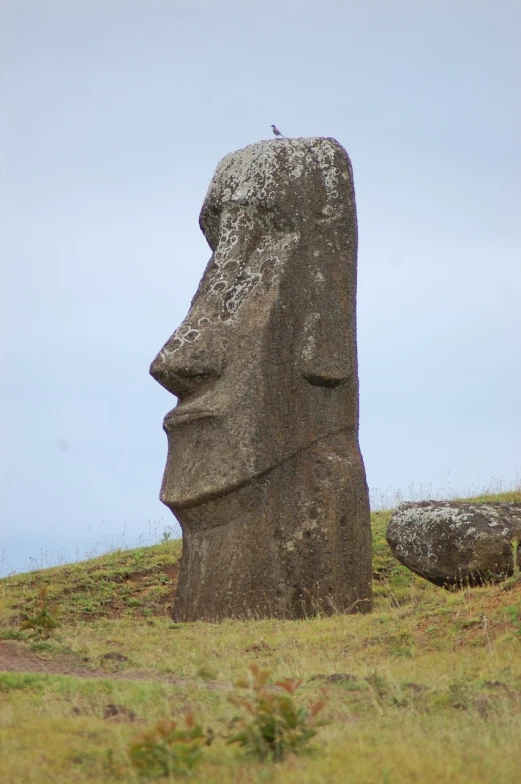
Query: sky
point(116, 114)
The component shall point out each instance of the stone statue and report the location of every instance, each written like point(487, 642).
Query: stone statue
point(264, 471)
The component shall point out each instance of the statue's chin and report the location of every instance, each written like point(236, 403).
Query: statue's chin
point(180, 494)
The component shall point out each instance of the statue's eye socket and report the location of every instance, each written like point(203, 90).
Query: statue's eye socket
point(324, 380)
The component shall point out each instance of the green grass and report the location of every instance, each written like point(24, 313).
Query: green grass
point(426, 689)
point(123, 583)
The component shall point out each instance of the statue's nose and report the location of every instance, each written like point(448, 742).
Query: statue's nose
point(183, 368)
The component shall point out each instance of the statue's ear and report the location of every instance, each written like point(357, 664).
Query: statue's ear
point(324, 352)
point(327, 350)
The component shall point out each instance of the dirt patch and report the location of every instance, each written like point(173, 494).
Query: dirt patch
point(14, 657)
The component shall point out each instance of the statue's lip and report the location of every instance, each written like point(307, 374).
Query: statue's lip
point(179, 415)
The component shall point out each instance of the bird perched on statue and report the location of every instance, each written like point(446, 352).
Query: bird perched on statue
point(276, 131)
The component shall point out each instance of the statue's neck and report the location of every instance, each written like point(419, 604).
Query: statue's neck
point(285, 544)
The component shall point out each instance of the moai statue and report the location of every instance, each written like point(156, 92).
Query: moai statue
point(264, 471)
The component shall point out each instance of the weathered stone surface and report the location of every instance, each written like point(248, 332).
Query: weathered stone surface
point(454, 543)
point(264, 471)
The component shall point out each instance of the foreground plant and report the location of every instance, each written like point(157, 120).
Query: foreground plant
point(44, 620)
point(272, 723)
point(166, 750)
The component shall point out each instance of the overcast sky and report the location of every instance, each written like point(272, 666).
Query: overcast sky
point(117, 115)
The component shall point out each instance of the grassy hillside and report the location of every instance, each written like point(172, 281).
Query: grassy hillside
point(425, 689)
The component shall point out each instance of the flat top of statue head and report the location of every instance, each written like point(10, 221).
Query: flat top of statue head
point(257, 176)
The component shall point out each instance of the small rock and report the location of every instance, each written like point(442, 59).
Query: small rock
point(415, 686)
point(336, 677)
point(495, 685)
point(114, 656)
point(262, 646)
point(455, 544)
point(118, 712)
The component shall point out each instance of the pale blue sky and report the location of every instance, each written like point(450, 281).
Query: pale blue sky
point(117, 115)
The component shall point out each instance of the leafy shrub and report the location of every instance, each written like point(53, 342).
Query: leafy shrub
point(165, 750)
point(44, 620)
point(271, 723)
point(514, 614)
point(10, 634)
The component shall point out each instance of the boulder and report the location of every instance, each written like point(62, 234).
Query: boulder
point(453, 543)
